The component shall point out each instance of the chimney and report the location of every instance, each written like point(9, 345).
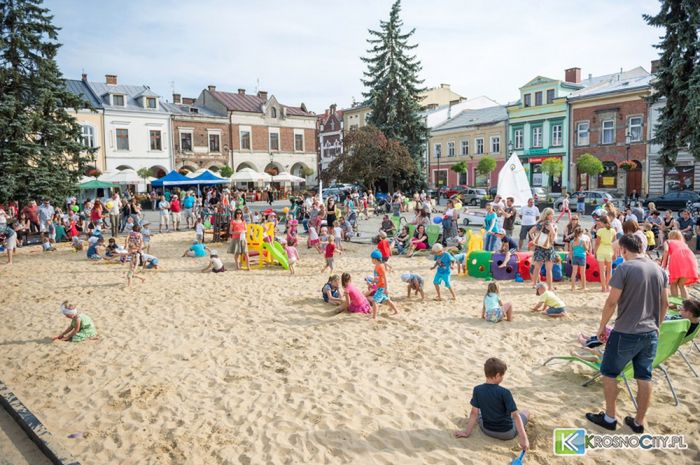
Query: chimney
point(573, 75)
point(333, 107)
point(111, 79)
point(188, 100)
point(84, 77)
point(241, 91)
point(211, 88)
point(176, 98)
point(262, 94)
point(655, 66)
point(445, 86)
point(326, 113)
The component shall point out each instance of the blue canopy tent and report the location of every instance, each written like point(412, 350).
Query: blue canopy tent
point(209, 178)
point(172, 179)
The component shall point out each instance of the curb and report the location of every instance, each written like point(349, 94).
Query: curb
point(36, 431)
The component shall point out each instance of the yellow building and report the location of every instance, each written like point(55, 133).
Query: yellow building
point(355, 117)
point(91, 121)
point(438, 96)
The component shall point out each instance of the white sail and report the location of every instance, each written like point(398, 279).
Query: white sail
point(513, 182)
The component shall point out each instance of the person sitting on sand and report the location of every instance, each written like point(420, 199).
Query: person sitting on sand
point(95, 248)
point(330, 292)
point(215, 263)
point(46, 245)
point(554, 307)
point(494, 409)
point(443, 263)
point(388, 226)
point(493, 309)
point(381, 294)
point(508, 246)
point(402, 241)
point(355, 301)
point(197, 249)
point(81, 326)
point(76, 243)
point(149, 262)
point(414, 283)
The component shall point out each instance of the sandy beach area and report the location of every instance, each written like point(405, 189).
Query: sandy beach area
point(253, 368)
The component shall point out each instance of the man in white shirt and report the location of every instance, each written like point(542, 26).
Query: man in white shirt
point(529, 216)
point(164, 207)
point(46, 212)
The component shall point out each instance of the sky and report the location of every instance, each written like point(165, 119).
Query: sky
point(309, 50)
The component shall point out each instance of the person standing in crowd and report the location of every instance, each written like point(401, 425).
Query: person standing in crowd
point(32, 212)
point(164, 207)
point(114, 206)
point(564, 208)
point(154, 199)
point(126, 214)
point(543, 235)
point(188, 205)
point(46, 212)
point(509, 215)
point(270, 196)
point(581, 203)
point(175, 209)
point(639, 291)
point(528, 215)
point(634, 198)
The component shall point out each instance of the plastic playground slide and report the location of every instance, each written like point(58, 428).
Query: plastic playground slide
point(277, 252)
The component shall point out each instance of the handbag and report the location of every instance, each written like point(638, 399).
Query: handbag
point(542, 239)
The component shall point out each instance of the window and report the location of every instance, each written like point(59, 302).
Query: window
point(299, 143)
point(118, 100)
point(438, 150)
point(550, 96)
point(150, 102)
point(87, 136)
point(122, 139)
point(274, 141)
point(608, 132)
point(215, 143)
point(450, 149)
point(608, 178)
point(479, 146)
point(245, 140)
point(635, 129)
point(273, 112)
point(156, 142)
point(518, 138)
point(526, 100)
point(538, 98)
point(556, 135)
point(582, 133)
point(496, 144)
point(332, 125)
point(537, 136)
point(186, 141)
point(465, 147)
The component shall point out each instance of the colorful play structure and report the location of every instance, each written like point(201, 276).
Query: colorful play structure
point(263, 246)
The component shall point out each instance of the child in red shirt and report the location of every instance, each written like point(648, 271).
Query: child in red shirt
point(330, 251)
point(384, 247)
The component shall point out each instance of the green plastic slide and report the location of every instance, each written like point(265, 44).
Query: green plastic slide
point(277, 252)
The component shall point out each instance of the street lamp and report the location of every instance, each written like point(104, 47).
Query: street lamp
point(437, 175)
point(510, 149)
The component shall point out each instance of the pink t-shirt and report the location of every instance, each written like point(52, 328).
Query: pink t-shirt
point(292, 253)
point(357, 298)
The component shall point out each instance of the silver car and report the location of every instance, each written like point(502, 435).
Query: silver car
point(470, 195)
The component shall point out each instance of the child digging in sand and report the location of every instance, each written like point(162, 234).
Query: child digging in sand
point(381, 294)
point(215, 263)
point(552, 305)
point(330, 291)
point(443, 263)
point(355, 300)
point(494, 310)
point(81, 326)
point(494, 409)
point(414, 283)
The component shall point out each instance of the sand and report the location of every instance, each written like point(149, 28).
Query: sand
point(253, 368)
point(15, 446)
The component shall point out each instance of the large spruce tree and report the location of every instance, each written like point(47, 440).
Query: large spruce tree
point(40, 150)
point(678, 78)
point(394, 89)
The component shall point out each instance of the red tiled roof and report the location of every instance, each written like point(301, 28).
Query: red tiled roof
point(297, 111)
point(250, 103)
point(323, 118)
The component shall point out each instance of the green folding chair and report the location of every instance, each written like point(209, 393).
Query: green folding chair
point(689, 339)
point(671, 335)
point(433, 232)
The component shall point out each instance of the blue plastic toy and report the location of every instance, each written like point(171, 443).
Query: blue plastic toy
point(519, 459)
point(437, 220)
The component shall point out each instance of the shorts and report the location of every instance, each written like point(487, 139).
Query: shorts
point(494, 315)
point(199, 238)
point(44, 227)
point(188, 213)
point(329, 262)
point(176, 216)
point(380, 296)
point(604, 255)
point(578, 261)
point(11, 242)
point(220, 270)
point(509, 232)
point(313, 242)
point(524, 230)
point(94, 257)
point(443, 278)
point(555, 310)
point(622, 348)
point(503, 435)
point(152, 263)
point(238, 246)
point(543, 255)
point(164, 218)
point(292, 261)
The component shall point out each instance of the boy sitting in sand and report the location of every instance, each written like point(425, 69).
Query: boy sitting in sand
point(443, 263)
point(494, 409)
point(552, 305)
point(414, 283)
point(46, 245)
point(215, 263)
point(81, 326)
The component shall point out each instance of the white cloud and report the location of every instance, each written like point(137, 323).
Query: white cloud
point(309, 50)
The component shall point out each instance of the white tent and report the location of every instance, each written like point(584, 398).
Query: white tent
point(250, 175)
point(194, 174)
point(287, 177)
point(513, 182)
point(127, 176)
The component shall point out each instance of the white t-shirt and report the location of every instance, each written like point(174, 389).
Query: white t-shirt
point(199, 229)
point(217, 263)
point(338, 232)
point(313, 235)
point(116, 203)
point(529, 215)
point(164, 206)
point(617, 225)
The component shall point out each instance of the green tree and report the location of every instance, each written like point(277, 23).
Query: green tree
point(486, 165)
point(306, 171)
point(226, 171)
point(144, 173)
point(459, 167)
point(394, 90)
point(589, 165)
point(678, 78)
point(41, 155)
point(552, 167)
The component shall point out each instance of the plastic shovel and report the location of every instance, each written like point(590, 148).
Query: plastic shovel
point(519, 459)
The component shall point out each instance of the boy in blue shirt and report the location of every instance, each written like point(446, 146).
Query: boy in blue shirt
point(494, 408)
point(197, 249)
point(443, 263)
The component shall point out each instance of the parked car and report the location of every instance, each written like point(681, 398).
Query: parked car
point(538, 193)
point(592, 197)
point(336, 192)
point(470, 195)
point(448, 192)
point(676, 200)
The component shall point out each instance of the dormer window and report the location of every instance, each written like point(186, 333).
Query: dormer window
point(273, 112)
point(117, 100)
point(151, 102)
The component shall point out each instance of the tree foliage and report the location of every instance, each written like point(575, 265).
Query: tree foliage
point(41, 155)
point(589, 165)
point(459, 167)
point(486, 165)
point(553, 166)
point(678, 78)
point(226, 171)
point(370, 157)
point(144, 173)
point(394, 89)
point(306, 171)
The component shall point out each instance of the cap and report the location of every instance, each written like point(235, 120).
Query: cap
point(406, 277)
point(214, 253)
point(540, 285)
point(376, 255)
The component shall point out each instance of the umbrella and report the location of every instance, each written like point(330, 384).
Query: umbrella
point(95, 184)
point(250, 175)
point(126, 176)
point(287, 177)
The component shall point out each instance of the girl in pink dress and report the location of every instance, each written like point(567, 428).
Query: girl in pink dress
point(355, 300)
point(680, 262)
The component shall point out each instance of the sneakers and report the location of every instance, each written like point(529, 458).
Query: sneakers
point(599, 419)
point(638, 429)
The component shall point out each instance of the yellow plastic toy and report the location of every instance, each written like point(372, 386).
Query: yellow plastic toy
point(254, 238)
point(475, 241)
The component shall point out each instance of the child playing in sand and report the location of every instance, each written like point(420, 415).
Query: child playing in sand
point(554, 307)
point(147, 234)
point(579, 249)
point(414, 283)
point(323, 237)
point(493, 309)
point(112, 248)
point(508, 247)
point(494, 409)
point(197, 249)
point(314, 240)
point(330, 292)
point(329, 253)
point(384, 247)
point(76, 243)
point(292, 253)
point(46, 245)
point(199, 230)
point(381, 294)
point(215, 263)
point(355, 301)
point(129, 226)
point(81, 326)
point(461, 261)
point(443, 263)
point(94, 251)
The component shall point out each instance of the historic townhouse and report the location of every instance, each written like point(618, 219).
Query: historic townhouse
point(90, 119)
point(609, 121)
point(136, 127)
point(356, 116)
point(201, 137)
point(468, 137)
point(264, 134)
point(330, 136)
